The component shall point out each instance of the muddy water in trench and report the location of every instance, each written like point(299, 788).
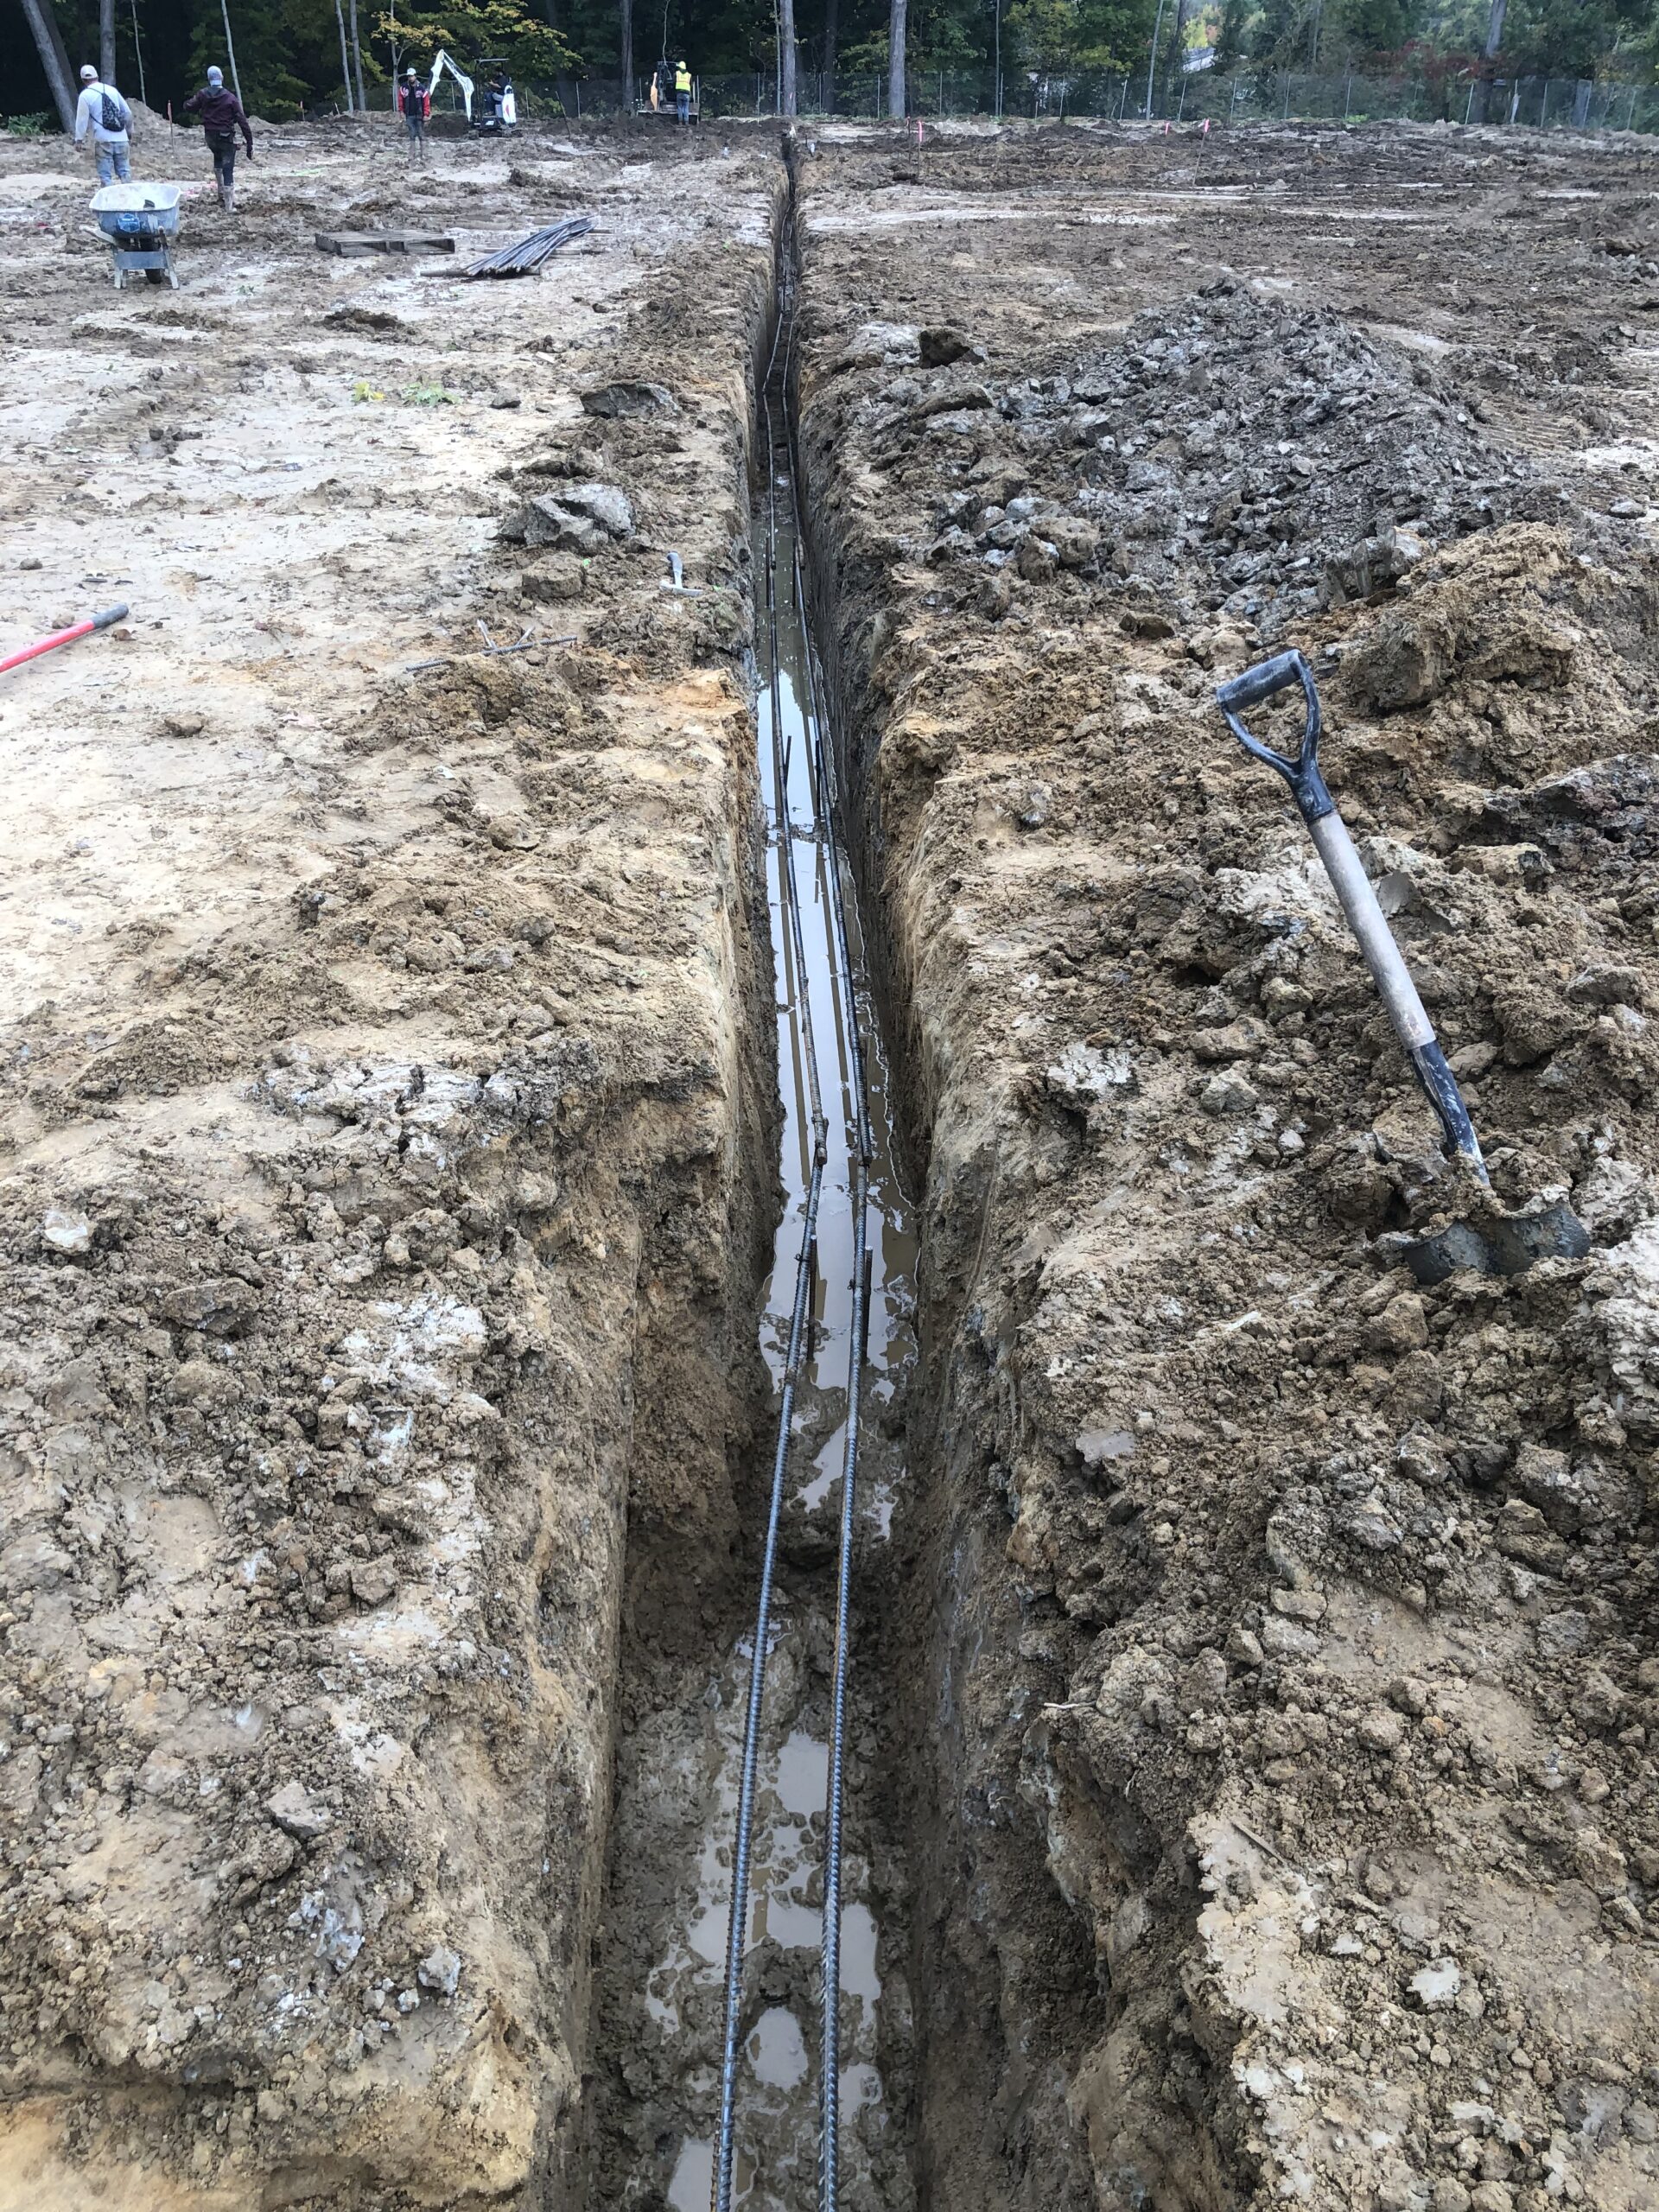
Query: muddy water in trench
point(680, 1766)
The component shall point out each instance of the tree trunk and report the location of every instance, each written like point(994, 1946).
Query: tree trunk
point(345, 59)
point(1489, 55)
point(357, 59)
point(625, 10)
point(1177, 51)
point(230, 55)
point(831, 27)
point(55, 62)
point(788, 103)
point(1152, 59)
point(897, 102)
point(106, 40)
point(567, 100)
point(138, 53)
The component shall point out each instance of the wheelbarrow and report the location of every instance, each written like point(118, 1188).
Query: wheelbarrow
point(141, 221)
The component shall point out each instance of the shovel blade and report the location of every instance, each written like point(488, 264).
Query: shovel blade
point(1505, 1247)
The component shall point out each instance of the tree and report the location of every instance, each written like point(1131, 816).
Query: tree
point(897, 103)
point(531, 47)
point(357, 58)
point(55, 62)
point(344, 57)
point(106, 40)
point(1230, 36)
point(786, 100)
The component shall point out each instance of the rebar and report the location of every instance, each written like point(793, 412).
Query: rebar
point(743, 1841)
point(526, 257)
point(824, 787)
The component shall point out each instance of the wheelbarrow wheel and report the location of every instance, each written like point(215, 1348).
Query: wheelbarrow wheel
point(155, 275)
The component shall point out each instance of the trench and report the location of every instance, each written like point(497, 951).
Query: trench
point(842, 1283)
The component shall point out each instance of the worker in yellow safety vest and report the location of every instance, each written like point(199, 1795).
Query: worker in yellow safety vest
point(683, 91)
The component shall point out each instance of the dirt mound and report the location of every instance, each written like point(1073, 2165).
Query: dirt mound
point(1235, 454)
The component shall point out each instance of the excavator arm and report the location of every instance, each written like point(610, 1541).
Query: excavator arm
point(465, 82)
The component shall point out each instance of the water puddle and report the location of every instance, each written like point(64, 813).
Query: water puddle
point(679, 1770)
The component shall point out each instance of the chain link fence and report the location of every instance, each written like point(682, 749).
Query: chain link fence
point(1243, 96)
point(1254, 95)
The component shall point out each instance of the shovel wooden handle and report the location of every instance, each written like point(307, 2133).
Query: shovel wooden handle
point(1351, 885)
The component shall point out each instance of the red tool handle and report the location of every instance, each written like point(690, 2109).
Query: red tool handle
point(65, 637)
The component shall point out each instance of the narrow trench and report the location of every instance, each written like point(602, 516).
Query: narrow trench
point(660, 1966)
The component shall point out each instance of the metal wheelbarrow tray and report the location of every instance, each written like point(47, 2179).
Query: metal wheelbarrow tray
point(141, 221)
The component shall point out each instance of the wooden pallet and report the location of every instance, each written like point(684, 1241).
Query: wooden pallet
point(350, 242)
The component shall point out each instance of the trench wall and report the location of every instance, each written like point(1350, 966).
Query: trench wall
point(351, 1386)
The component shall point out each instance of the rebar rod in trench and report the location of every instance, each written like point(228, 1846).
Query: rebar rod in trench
point(821, 774)
point(862, 1147)
point(743, 1841)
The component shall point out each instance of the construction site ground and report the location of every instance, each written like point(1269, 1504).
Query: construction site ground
point(1265, 1677)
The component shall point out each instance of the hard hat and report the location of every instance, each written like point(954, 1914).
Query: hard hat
point(88, 75)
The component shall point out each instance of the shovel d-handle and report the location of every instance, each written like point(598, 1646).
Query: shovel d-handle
point(1353, 887)
point(1265, 680)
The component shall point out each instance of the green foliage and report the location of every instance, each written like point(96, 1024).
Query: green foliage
point(1229, 35)
point(1063, 37)
point(28, 126)
point(288, 51)
point(287, 54)
point(1365, 27)
point(529, 46)
point(1568, 38)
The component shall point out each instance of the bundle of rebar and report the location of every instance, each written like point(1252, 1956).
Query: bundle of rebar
point(524, 258)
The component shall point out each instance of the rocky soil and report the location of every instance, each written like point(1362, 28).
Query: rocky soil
point(383, 1189)
point(1263, 1721)
point(1285, 1824)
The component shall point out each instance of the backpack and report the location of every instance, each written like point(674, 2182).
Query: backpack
point(115, 111)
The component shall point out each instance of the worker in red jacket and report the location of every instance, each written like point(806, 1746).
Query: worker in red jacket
point(221, 117)
point(416, 103)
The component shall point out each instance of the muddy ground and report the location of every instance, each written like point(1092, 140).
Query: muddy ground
point(384, 1187)
point(1287, 1623)
point(1265, 1717)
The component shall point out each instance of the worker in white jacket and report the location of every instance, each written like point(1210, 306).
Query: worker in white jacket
point(103, 112)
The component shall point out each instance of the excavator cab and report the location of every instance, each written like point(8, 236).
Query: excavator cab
point(495, 109)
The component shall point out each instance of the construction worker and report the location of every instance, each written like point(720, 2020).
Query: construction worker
point(683, 91)
point(102, 110)
point(221, 117)
point(416, 105)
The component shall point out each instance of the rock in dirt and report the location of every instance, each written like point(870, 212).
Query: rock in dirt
point(560, 578)
point(292, 1810)
point(939, 346)
point(582, 517)
point(628, 399)
point(440, 1970)
point(64, 1231)
point(1083, 1076)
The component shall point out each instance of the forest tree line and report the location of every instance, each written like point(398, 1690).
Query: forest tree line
point(295, 57)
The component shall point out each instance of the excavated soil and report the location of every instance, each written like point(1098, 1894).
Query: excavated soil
point(1282, 1797)
point(388, 1065)
point(1254, 1759)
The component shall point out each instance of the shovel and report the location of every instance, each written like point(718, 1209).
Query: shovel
point(1505, 1243)
point(1353, 887)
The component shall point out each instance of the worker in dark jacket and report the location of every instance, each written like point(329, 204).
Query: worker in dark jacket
point(416, 102)
point(221, 117)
